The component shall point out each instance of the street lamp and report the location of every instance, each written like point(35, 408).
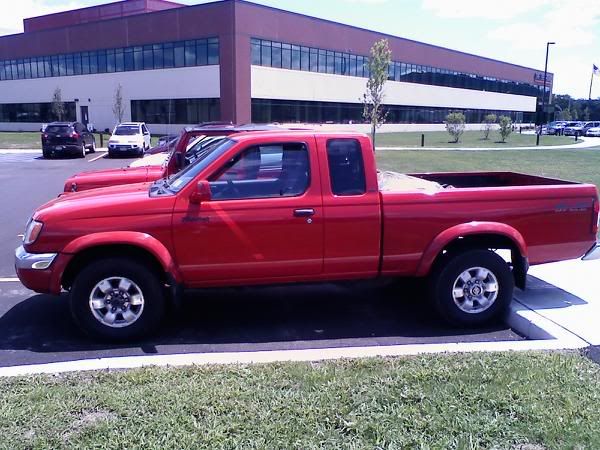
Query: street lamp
point(548, 44)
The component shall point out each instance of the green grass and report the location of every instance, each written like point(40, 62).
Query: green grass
point(473, 401)
point(468, 139)
point(580, 165)
point(32, 140)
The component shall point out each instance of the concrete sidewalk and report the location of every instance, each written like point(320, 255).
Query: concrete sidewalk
point(566, 294)
point(584, 142)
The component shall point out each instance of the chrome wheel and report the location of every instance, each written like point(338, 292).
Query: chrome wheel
point(475, 290)
point(116, 302)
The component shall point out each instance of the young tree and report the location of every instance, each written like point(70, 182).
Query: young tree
point(505, 127)
point(118, 105)
point(586, 113)
point(58, 106)
point(488, 123)
point(378, 65)
point(455, 125)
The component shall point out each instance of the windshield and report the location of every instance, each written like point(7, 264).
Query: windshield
point(126, 130)
point(210, 154)
point(57, 129)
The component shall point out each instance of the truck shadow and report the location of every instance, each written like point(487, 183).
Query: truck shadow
point(248, 319)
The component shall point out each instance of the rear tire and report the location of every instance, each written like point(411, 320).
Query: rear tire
point(117, 299)
point(81, 154)
point(93, 146)
point(472, 288)
point(46, 154)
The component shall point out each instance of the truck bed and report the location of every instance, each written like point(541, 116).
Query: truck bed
point(489, 179)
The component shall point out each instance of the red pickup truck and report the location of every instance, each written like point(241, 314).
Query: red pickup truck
point(286, 207)
point(177, 160)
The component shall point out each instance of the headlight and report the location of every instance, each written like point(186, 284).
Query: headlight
point(33, 230)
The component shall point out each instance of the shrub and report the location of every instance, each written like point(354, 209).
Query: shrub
point(455, 125)
point(488, 122)
point(505, 124)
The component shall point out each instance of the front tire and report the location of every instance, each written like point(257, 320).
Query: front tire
point(93, 146)
point(472, 288)
point(117, 299)
point(81, 153)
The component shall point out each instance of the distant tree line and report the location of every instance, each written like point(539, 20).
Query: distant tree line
point(568, 108)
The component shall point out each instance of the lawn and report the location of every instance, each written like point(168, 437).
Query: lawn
point(32, 140)
point(472, 401)
point(580, 165)
point(468, 139)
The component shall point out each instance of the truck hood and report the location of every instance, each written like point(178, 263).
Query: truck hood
point(109, 202)
point(111, 177)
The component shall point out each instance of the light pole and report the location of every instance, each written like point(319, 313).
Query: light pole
point(548, 44)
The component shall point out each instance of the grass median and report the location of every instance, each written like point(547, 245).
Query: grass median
point(470, 139)
point(445, 401)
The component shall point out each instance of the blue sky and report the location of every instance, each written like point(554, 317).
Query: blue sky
point(510, 30)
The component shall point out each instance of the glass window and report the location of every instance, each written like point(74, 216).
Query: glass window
point(2, 74)
point(201, 53)
point(101, 61)
point(168, 56)
point(276, 54)
point(55, 70)
point(295, 57)
point(190, 53)
point(148, 57)
point(305, 59)
point(77, 64)
point(128, 59)
point(255, 51)
point(265, 53)
point(110, 61)
point(330, 62)
point(138, 58)
point(213, 51)
point(346, 169)
point(119, 60)
point(322, 61)
point(314, 60)
point(69, 62)
point(40, 67)
point(286, 56)
point(337, 63)
point(179, 54)
point(93, 62)
point(270, 171)
point(27, 65)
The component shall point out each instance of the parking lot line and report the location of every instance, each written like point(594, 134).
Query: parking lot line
point(98, 157)
point(8, 279)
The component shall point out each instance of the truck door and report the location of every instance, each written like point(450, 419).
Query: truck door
point(352, 212)
point(264, 221)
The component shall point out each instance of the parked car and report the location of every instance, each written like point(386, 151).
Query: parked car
point(580, 129)
point(593, 131)
point(175, 162)
point(61, 138)
point(127, 138)
point(554, 128)
point(288, 207)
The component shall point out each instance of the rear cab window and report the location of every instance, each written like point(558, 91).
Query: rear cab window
point(58, 129)
point(346, 167)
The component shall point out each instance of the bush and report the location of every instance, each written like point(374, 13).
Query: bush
point(455, 125)
point(505, 124)
point(488, 122)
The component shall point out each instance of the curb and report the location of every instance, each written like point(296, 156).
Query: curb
point(541, 334)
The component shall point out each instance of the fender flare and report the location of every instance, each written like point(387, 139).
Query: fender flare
point(468, 229)
point(143, 241)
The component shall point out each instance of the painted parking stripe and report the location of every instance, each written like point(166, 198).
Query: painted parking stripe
point(9, 280)
point(98, 157)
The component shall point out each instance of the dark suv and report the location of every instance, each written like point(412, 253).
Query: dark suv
point(60, 138)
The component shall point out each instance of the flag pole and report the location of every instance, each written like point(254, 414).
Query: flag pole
point(591, 82)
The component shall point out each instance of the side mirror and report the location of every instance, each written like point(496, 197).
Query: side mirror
point(202, 193)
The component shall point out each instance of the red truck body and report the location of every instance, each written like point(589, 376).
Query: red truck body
point(192, 239)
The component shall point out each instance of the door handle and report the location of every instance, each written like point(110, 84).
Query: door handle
point(306, 212)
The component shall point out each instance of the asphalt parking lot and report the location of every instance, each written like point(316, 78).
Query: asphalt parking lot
point(37, 328)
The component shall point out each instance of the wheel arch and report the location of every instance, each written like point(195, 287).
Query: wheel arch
point(477, 235)
point(138, 246)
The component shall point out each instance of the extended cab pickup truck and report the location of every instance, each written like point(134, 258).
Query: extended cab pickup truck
point(286, 207)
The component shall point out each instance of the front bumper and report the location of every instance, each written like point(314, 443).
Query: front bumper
point(34, 269)
point(592, 253)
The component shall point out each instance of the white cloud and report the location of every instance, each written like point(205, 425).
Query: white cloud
point(460, 9)
point(11, 19)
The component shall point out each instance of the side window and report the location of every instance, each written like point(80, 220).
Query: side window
point(346, 168)
point(269, 171)
point(144, 129)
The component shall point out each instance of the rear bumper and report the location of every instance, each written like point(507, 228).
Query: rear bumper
point(592, 253)
point(61, 148)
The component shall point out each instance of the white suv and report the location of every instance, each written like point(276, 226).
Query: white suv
point(129, 137)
